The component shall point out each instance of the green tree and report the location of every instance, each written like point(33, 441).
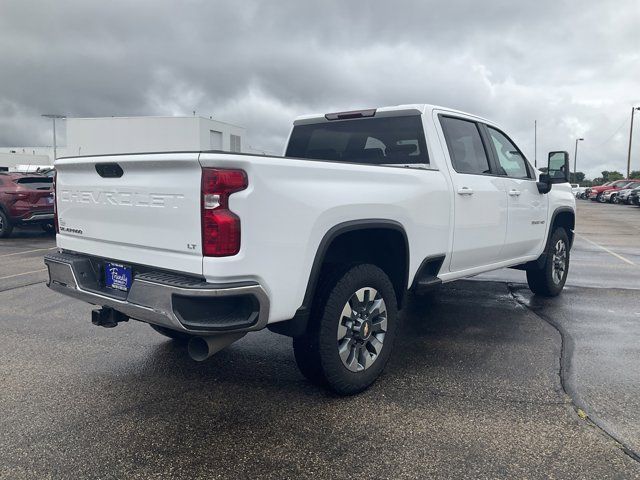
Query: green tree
point(611, 176)
point(634, 174)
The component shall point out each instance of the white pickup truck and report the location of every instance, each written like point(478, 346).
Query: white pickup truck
point(322, 244)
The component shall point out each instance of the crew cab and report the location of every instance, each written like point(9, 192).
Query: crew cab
point(322, 244)
point(25, 199)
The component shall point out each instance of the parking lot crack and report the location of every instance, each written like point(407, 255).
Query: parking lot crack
point(580, 408)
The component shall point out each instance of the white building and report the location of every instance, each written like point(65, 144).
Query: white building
point(104, 135)
point(12, 160)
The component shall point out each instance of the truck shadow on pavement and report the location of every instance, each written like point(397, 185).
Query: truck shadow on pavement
point(469, 339)
point(473, 371)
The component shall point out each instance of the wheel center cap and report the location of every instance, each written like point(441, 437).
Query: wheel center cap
point(365, 329)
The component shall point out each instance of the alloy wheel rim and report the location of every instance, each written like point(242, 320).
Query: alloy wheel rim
point(559, 262)
point(361, 329)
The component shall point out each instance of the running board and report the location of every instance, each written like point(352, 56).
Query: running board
point(426, 284)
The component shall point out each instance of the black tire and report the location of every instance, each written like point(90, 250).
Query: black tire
point(599, 198)
point(6, 227)
point(49, 228)
point(547, 280)
point(317, 353)
point(173, 334)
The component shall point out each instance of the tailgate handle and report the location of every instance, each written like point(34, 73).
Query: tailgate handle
point(109, 170)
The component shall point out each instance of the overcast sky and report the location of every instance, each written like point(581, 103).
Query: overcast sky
point(573, 66)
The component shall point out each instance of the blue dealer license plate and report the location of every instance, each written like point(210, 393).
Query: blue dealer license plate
point(117, 276)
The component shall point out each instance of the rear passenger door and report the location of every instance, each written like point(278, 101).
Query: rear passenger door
point(480, 201)
point(526, 225)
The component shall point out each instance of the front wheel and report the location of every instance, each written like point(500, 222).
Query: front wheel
point(548, 280)
point(352, 328)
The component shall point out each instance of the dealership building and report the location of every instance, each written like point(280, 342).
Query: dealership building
point(106, 135)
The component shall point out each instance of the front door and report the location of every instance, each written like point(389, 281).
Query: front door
point(526, 225)
point(480, 200)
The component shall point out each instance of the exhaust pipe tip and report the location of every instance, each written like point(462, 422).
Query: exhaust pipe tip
point(198, 349)
point(201, 348)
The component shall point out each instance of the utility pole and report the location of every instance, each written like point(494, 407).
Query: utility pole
point(575, 161)
point(535, 143)
point(633, 110)
point(53, 117)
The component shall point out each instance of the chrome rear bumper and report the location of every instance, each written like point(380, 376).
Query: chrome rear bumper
point(169, 300)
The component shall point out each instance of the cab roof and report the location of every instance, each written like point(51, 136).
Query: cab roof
point(390, 111)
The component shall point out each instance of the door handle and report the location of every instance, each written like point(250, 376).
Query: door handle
point(465, 191)
point(514, 193)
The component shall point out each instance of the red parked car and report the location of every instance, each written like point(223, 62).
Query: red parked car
point(595, 193)
point(25, 199)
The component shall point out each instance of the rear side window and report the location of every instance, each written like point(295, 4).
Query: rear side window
point(466, 149)
point(377, 141)
point(37, 183)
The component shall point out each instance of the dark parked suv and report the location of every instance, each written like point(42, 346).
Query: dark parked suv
point(25, 199)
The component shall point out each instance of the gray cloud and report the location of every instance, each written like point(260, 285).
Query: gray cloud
point(573, 66)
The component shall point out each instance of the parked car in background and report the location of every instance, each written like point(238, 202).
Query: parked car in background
point(587, 192)
point(634, 197)
point(611, 196)
point(577, 190)
point(596, 193)
point(25, 199)
point(623, 195)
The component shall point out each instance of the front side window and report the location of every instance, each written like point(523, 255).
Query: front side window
point(510, 159)
point(465, 146)
point(377, 141)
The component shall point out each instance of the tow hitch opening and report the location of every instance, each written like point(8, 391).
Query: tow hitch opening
point(107, 317)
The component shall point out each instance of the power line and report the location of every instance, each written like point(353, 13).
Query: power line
point(623, 124)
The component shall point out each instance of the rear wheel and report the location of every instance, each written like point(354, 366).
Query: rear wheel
point(549, 279)
point(5, 225)
point(352, 329)
point(173, 334)
point(49, 227)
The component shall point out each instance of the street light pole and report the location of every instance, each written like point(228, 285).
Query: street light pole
point(575, 161)
point(535, 143)
point(633, 110)
point(53, 117)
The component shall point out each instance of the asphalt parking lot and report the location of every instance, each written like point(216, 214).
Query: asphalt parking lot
point(487, 381)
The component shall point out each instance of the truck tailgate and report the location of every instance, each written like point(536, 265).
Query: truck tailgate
point(133, 208)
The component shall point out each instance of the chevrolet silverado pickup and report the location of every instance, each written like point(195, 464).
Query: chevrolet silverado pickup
point(322, 244)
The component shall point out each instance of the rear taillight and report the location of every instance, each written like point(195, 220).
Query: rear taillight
point(220, 226)
point(55, 203)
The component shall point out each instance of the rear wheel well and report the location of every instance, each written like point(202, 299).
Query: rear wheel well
point(379, 242)
point(384, 247)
